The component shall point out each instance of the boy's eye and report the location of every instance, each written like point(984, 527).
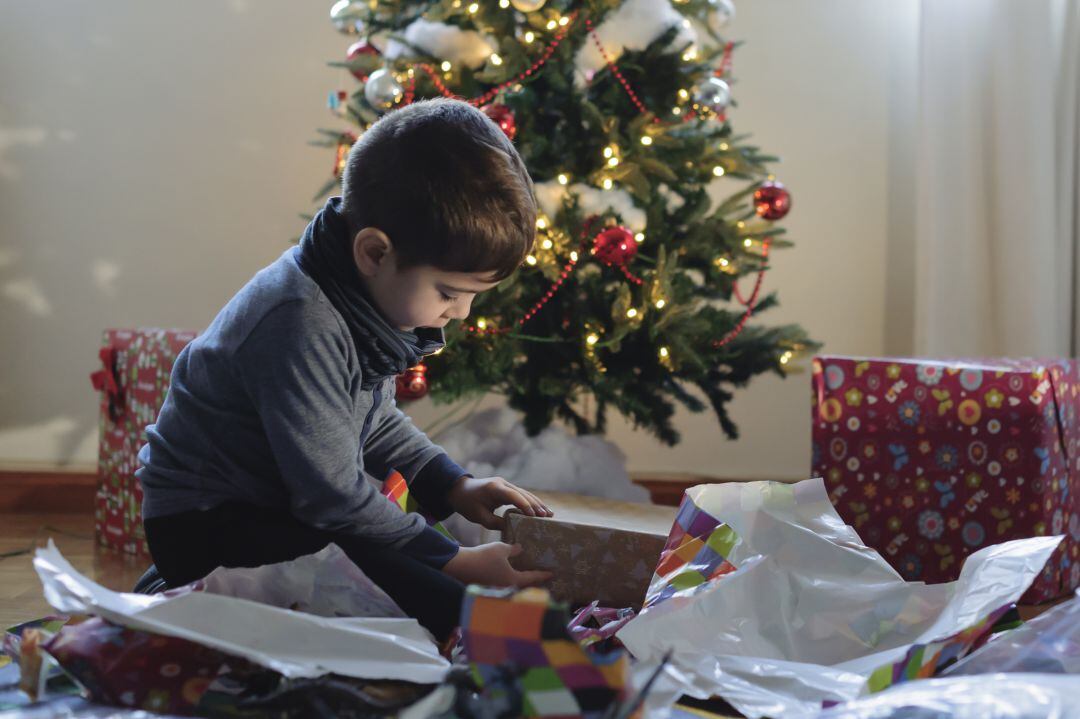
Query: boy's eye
point(447, 297)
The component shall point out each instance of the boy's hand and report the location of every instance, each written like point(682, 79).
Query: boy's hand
point(477, 499)
point(489, 565)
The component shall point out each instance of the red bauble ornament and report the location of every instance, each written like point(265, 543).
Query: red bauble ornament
point(503, 116)
point(363, 47)
point(772, 200)
point(615, 246)
point(412, 383)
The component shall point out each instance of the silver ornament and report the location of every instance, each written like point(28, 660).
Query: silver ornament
point(527, 5)
point(382, 90)
point(713, 93)
point(346, 16)
point(721, 13)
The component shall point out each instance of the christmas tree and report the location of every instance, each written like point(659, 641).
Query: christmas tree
point(631, 299)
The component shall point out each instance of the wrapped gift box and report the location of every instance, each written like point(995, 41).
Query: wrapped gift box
point(598, 549)
point(931, 460)
point(133, 380)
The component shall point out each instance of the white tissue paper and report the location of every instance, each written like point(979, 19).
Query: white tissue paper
point(292, 643)
point(807, 612)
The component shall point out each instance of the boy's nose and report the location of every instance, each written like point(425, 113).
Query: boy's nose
point(460, 310)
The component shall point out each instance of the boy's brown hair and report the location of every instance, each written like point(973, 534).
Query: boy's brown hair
point(446, 186)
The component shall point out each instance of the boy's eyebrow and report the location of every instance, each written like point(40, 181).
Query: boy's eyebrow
point(461, 289)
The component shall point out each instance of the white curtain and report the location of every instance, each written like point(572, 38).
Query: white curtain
point(996, 172)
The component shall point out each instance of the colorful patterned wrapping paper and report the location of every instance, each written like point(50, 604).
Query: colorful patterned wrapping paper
point(517, 644)
point(136, 369)
point(931, 460)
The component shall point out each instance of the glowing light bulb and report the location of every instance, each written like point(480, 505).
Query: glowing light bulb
point(495, 59)
point(683, 94)
point(631, 313)
point(748, 242)
point(606, 183)
point(718, 171)
point(592, 339)
point(446, 66)
point(504, 4)
point(547, 244)
point(723, 146)
point(676, 111)
point(473, 8)
point(564, 21)
point(529, 36)
point(613, 162)
point(639, 237)
point(481, 323)
point(552, 25)
point(663, 351)
point(573, 256)
point(646, 140)
point(660, 304)
point(530, 260)
point(563, 178)
point(608, 151)
point(541, 223)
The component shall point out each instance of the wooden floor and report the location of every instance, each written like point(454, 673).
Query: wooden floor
point(21, 598)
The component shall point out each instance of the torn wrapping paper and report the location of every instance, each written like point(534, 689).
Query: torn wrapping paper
point(1049, 644)
point(521, 654)
point(806, 613)
point(291, 643)
point(988, 696)
point(327, 584)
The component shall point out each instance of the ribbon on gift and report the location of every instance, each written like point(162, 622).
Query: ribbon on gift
point(106, 380)
point(396, 489)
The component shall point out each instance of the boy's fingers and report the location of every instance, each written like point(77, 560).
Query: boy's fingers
point(538, 505)
point(517, 498)
point(515, 549)
point(532, 578)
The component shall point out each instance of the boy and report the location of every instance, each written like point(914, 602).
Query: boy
point(258, 454)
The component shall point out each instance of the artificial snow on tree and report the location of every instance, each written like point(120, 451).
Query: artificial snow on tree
point(631, 299)
point(493, 443)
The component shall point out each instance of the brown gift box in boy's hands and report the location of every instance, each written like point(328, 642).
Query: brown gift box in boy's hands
point(596, 548)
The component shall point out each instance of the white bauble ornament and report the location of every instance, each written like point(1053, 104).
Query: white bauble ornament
point(713, 93)
point(346, 14)
point(382, 90)
point(721, 13)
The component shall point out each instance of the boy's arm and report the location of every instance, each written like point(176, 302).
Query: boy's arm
point(395, 443)
point(438, 483)
point(294, 367)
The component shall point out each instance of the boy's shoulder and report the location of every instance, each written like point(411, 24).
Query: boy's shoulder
point(279, 298)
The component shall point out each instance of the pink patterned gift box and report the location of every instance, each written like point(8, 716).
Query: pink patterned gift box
point(133, 379)
point(930, 460)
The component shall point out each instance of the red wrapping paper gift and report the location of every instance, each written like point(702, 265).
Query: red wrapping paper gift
point(931, 460)
point(133, 380)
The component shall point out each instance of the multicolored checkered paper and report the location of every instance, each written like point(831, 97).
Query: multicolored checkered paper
point(396, 489)
point(925, 660)
point(696, 552)
point(517, 644)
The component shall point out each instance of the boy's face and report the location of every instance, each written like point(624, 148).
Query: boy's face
point(421, 296)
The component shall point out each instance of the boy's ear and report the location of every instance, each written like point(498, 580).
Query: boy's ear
point(371, 248)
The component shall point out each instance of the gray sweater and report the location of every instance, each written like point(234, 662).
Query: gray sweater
point(266, 407)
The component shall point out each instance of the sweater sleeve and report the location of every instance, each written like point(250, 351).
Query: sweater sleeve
point(397, 444)
point(294, 367)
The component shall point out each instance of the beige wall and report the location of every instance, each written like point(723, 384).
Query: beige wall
point(153, 157)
